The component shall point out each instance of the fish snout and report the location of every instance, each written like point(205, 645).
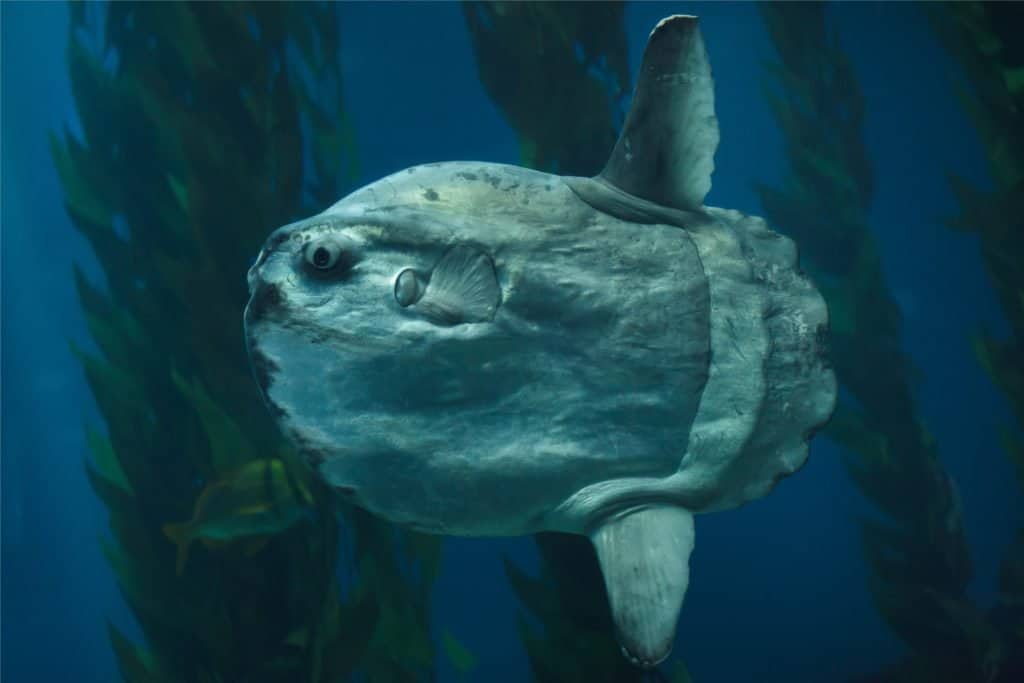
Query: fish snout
point(276, 239)
point(272, 244)
point(252, 277)
point(264, 296)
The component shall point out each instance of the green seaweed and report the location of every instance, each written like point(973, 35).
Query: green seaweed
point(462, 658)
point(984, 39)
point(203, 127)
point(559, 74)
point(915, 548)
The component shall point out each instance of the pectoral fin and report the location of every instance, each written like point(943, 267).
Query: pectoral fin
point(644, 555)
point(463, 288)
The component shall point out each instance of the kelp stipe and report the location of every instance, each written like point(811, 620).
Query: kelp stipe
point(202, 125)
point(563, 99)
point(565, 95)
point(984, 38)
point(918, 556)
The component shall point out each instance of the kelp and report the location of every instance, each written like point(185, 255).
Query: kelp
point(915, 548)
point(203, 127)
point(985, 39)
point(559, 74)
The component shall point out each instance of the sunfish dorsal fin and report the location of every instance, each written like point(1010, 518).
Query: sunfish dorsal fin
point(645, 559)
point(666, 151)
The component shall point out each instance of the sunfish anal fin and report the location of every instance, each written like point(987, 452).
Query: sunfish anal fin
point(645, 555)
point(666, 151)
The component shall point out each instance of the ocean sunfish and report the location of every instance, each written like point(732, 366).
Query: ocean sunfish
point(484, 350)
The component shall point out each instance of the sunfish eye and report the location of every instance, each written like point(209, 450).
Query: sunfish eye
point(326, 255)
point(408, 288)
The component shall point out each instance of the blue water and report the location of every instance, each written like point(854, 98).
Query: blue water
point(778, 587)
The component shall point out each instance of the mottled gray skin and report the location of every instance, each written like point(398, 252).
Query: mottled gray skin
point(591, 369)
point(597, 361)
point(578, 399)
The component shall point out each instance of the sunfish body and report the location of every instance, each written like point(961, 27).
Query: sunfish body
point(479, 349)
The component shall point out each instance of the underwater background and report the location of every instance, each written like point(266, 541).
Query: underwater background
point(148, 149)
